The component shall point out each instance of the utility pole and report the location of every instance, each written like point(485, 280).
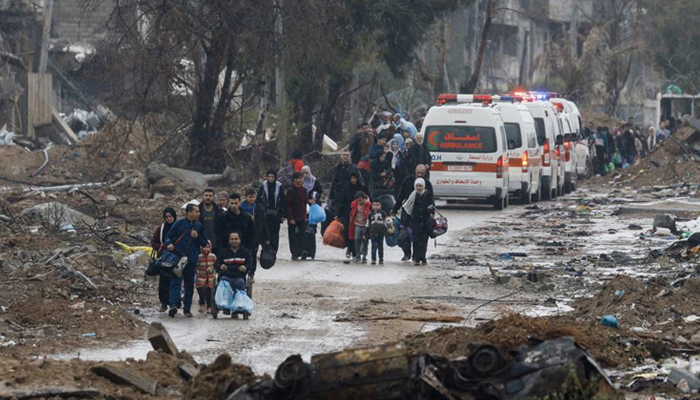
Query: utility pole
point(574, 30)
point(43, 46)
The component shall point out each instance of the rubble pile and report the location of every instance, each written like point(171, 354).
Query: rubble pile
point(510, 331)
point(673, 161)
point(159, 376)
point(668, 309)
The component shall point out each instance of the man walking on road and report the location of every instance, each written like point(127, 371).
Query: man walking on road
point(209, 213)
point(271, 197)
point(186, 236)
point(297, 198)
point(235, 220)
point(257, 212)
point(341, 174)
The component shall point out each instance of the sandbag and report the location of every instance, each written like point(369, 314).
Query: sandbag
point(224, 295)
point(334, 235)
point(242, 302)
point(268, 257)
point(316, 214)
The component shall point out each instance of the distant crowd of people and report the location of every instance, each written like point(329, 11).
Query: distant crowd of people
point(623, 145)
point(384, 173)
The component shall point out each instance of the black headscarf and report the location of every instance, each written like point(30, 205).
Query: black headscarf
point(171, 211)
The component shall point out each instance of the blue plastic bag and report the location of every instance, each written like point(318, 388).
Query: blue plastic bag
point(316, 214)
point(224, 295)
point(242, 302)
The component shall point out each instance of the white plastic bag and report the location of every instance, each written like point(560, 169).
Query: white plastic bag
point(224, 295)
point(242, 302)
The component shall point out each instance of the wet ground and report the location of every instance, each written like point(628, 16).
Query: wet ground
point(537, 260)
point(296, 302)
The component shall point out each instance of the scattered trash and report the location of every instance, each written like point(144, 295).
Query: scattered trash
point(609, 320)
point(89, 335)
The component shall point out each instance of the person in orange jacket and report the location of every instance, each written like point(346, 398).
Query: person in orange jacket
point(297, 161)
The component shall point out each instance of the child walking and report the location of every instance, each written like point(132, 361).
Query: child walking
point(205, 277)
point(378, 229)
point(359, 223)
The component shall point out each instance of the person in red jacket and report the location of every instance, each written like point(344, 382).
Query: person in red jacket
point(296, 200)
point(297, 161)
point(359, 224)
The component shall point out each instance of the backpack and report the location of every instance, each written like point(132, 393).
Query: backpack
point(284, 176)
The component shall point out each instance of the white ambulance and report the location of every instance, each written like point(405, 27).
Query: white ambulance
point(524, 153)
point(469, 149)
point(548, 130)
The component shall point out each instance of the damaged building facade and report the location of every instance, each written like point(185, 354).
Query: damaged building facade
point(42, 43)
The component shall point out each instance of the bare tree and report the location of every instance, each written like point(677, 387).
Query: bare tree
point(470, 86)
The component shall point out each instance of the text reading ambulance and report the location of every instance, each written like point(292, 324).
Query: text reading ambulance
point(467, 141)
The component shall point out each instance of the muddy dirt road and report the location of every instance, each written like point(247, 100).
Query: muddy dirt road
point(297, 302)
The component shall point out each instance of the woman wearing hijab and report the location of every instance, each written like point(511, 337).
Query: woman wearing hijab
point(418, 209)
point(161, 232)
point(397, 167)
point(313, 187)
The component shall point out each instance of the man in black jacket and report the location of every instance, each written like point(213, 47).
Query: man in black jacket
point(271, 197)
point(209, 213)
point(257, 212)
point(235, 220)
point(354, 147)
point(341, 174)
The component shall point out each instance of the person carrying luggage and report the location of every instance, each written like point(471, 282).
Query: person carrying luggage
point(186, 236)
point(158, 244)
point(315, 191)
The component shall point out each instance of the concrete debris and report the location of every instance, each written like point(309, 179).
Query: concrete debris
point(6, 138)
point(160, 339)
point(83, 123)
point(56, 214)
point(122, 374)
point(185, 179)
point(665, 221)
point(48, 392)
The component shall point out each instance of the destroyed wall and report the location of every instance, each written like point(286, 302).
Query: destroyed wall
point(80, 20)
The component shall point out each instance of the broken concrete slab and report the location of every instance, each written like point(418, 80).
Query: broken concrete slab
point(56, 214)
point(160, 339)
point(188, 370)
point(123, 375)
point(188, 180)
point(32, 392)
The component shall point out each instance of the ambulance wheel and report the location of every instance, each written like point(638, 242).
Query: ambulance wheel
point(537, 196)
point(526, 198)
point(546, 193)
point(507, 200)
point(246, 315)
point(568, 187)
point(499, 203)
point(554, 194)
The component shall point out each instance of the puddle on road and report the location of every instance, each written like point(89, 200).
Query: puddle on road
point(274, 339)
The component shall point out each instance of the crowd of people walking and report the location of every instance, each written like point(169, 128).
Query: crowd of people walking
point(383, 177)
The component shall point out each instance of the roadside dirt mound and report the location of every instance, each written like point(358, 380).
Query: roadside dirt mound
point(513, 330)
point(212, 382)
point(219, 379)
point(636, 304)
point(667, 164)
